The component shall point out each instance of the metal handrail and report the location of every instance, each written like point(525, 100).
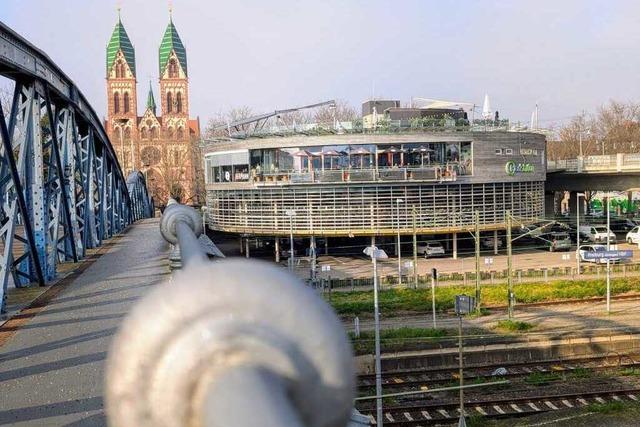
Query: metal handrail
point(231, 343)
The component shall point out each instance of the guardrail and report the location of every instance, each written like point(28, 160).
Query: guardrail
point(608, 163)
point(228, 343)
point(435, 174)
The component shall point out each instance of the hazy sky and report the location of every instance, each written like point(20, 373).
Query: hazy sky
point(564, 55)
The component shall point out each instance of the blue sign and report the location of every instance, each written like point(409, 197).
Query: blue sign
point(622, 254)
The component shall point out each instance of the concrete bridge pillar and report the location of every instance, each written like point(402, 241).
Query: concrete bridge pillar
point(573, 208)
point(550, 208)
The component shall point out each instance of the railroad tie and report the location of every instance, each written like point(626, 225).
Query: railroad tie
point(527, 370)
point(583, 402)
point(389, 417)
point(614, 397)
point(567, 403)
point(541, 368)
point(397, 380)
point(444, 413)
point(426, 415)
point(600, 400)
point(498, 409)
point(516, 407)
point(551, 405)
point(481, 411)
point(408, 416)
point(632, 396)
point(533, 406)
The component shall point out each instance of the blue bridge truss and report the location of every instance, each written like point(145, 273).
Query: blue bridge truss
point(61, 188)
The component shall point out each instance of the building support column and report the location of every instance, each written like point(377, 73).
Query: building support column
point(277, 249)
point(246, 242)
point(455, 245)
point(495, 242)
point(326, 245)
point(241, 245)
point(629, 204)
point(312, 255)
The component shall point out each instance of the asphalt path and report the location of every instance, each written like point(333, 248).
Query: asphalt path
point(51, 369)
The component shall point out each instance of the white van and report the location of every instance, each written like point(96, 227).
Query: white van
point(596, 233)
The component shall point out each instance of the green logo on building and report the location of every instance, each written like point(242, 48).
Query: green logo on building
point(513, 168)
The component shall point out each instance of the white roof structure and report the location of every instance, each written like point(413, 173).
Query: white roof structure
point(486, 108)
point(429, 103)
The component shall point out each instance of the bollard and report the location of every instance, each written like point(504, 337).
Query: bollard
point(232, 343)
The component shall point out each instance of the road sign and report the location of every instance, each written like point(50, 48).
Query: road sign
point(326, 268)
point(465, 304)
point(566, 257)
point(408, 264)
point(488, 261)
point(617, 254)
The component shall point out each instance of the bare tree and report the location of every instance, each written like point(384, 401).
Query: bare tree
point(6, 98)
point(615, 128)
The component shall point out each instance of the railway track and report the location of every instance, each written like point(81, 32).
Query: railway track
point(448, 413)
point(424, 378)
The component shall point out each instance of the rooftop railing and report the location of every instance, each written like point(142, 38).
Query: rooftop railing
point(428, 173)
point(383, 126)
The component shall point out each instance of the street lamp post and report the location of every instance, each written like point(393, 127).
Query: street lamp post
point(376, 253)
point(398, 201)
point(578, 195)
point(291, 213)
point(608, 249)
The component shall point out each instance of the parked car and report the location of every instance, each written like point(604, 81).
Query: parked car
point(633, 236)
point(622, 225)
point(584, 249)
point(558, 241)
point(596, 233)
point(430, 249)
point(489, 242)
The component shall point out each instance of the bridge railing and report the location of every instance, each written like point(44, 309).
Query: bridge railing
point(228, 343)
point(607, 163)
point(63, 191)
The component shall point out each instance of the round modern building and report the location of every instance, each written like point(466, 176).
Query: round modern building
point(374, 184)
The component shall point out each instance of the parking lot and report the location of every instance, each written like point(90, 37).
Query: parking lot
point(342, 267)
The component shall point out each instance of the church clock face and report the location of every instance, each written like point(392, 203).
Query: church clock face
point(151, 156)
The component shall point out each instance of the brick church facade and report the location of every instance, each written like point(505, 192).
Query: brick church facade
point(163, 146)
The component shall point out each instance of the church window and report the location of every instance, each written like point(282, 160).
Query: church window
point(144, 133)
point(154, 132)
point(119, 70)
point(116, 102)
point(127, 134)
point(176, 157)
point(169, 102)
point(170, 132)
point(126, 102)
point(173, 69)
point(180, 133)
point(179, 102)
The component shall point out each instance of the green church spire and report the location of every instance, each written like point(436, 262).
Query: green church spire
point(171, 41)
point(120, 41)
point(151, 102)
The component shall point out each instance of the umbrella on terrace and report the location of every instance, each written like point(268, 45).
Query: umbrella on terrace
point(331, 154)
point(422, 150)
point(307, 155)
point(360, 151)
point(391, 151)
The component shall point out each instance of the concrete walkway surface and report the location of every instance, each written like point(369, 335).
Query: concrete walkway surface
point(51, 368)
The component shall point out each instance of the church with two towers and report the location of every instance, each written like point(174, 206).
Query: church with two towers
point(163, 146)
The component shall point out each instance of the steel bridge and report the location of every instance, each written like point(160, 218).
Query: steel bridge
point(63, 191)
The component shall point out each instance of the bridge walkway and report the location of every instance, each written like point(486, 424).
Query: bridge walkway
point(51, 366)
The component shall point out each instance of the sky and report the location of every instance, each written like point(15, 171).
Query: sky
point(566, 56)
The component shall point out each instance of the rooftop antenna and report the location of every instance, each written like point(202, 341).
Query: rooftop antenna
point(171, 10)
point(119, 8)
